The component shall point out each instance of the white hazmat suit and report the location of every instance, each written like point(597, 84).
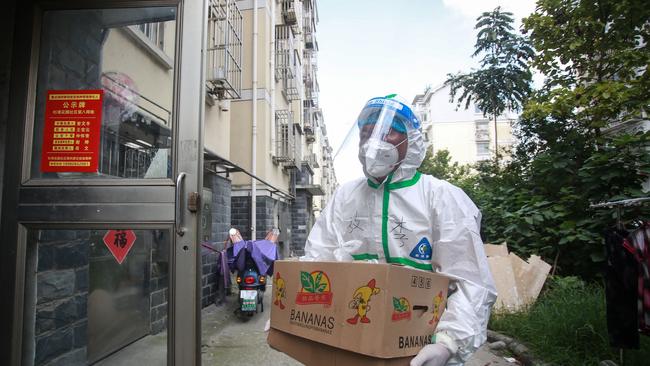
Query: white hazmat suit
point(419, 221)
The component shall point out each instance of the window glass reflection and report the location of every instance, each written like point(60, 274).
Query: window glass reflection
point(128, 54)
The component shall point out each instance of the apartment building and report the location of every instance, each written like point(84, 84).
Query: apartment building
point(466, 133)
point(288, 167)
point(131, 134)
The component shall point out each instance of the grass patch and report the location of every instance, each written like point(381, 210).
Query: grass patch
point(567, 326)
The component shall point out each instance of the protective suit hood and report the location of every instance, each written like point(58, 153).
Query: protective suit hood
point(414, 156)
point(384, 111)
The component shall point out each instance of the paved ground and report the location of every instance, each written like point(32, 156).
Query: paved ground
point(228, 340)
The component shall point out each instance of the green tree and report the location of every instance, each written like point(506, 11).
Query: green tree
point(441, 166)
point(503, 81)
point(595, 57)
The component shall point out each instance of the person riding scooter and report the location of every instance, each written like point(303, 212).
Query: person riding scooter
point(253, 262)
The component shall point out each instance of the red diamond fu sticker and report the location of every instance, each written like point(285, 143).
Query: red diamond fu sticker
point(119, 242)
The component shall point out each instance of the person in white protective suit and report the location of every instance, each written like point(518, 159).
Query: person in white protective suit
point(398, 215)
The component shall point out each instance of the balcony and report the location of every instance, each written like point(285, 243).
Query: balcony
point(289, 12)
point(291, 89)
point(312, 92)
point(312, 116)
point(311, 162)
point(325, 174)
point(224, 52)
point(288, 67)
point(310, 67)
point(313, 189)
point(308, 30)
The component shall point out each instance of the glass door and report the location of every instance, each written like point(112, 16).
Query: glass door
point(105, 219)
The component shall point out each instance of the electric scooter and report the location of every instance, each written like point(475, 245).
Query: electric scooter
point(251, 289)
point(250, 281)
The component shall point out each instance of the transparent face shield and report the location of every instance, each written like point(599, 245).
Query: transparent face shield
point(378, 140)
point(382, 141)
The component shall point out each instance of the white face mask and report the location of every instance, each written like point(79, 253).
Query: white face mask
point(378, 157)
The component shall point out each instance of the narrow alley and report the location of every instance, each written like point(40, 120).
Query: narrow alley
point(228, 340)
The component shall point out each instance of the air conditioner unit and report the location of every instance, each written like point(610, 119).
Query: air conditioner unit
point(218, 73)
point(224, 105)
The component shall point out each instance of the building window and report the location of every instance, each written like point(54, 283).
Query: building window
point(224, 56)
point(154, 32)
point(482, 132)
point(482, 148)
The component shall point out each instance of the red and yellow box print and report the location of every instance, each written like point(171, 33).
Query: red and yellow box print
point(73, 120)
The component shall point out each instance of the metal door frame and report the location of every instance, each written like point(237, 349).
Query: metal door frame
point(27, 203)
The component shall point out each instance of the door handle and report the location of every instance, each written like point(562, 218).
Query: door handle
point(180, 230)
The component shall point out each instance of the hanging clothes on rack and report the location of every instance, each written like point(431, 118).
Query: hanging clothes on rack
point(640, 240)
point(627, 279)
point(621, 290)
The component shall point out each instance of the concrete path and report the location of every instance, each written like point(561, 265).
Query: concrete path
point(228, 340)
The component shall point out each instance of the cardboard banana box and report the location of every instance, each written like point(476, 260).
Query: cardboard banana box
point(379, 310)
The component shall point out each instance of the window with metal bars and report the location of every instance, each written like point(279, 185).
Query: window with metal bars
point(224, 56)
point(284, 142)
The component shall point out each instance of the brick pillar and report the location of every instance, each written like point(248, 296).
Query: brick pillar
point(285, 220)
point(221, 208)
point(300, 211)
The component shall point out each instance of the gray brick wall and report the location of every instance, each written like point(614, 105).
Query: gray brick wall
point(62, 289)
point(212, 290)
point(240, 215)
point(302, 216)
point(61, 317)
point(209, 276)
point(264, 217)
point(301, 221)
point(221, 208)
point(267, 208)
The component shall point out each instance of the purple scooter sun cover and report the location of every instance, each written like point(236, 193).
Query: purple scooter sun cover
point(263, 253)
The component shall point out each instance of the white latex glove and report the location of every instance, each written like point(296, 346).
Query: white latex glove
point(267, 326)
point(432, 355)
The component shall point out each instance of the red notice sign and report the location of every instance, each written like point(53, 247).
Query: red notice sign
point(73, 120)
point(119, 242)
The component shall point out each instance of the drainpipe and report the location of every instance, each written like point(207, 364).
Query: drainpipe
point(254, 128)
point(272, 79)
